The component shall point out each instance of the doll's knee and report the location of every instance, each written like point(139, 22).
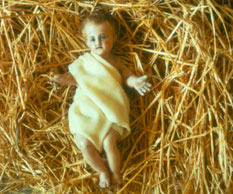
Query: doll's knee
point(84, 144)
point(110, 141)
point(107, 143)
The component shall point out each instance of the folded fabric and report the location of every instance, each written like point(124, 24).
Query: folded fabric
point(99, 101)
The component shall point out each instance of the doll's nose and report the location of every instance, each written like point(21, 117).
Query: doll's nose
point(98, 42)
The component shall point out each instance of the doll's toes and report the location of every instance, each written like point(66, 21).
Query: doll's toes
point(116, 179)
point(104, 180)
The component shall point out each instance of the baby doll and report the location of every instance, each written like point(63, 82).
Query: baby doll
point(99, 114)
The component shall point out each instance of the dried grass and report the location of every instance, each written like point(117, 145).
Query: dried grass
point(182, 130)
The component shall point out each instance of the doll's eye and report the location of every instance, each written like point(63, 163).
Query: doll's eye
point(92, 39)
point(102, 37)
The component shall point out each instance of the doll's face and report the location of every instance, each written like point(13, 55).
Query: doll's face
point(100, 38)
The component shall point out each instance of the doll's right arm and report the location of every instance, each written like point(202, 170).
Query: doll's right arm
point(64, 79)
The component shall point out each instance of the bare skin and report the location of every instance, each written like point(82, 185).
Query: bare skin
point(113, 155)
point(64, 79)
point(100, 38)
point(89, 152)
point(93, 158)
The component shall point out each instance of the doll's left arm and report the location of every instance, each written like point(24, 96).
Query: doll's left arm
point(138, 83)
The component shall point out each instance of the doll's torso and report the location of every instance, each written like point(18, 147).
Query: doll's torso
point(115, 62)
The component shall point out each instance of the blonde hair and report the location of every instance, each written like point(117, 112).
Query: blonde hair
point(100, 16)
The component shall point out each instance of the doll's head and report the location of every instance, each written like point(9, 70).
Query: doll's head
point(100, 32)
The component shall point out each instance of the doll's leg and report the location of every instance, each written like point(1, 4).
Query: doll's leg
point(93, 158)
point(113, 154)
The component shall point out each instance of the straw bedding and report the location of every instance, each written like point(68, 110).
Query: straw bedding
point(182, 134)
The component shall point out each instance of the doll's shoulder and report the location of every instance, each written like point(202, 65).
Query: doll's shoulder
point(117, 62)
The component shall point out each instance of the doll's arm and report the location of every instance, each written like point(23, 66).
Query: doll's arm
point(64, 79)
point(138, 83)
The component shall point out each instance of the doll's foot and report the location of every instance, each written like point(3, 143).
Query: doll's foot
point(116, 179)
point(104, 180)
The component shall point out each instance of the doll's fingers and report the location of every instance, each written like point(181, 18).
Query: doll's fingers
point(147, 88)
point(142, 78)
point(53, 77)
point(140, 92)
point(148, 84)
point(143, 90)
point(57, 79)
point(51, 74)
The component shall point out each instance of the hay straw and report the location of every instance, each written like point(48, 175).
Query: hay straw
point(182, 132)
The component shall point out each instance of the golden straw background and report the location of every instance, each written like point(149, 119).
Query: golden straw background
point(182, 131)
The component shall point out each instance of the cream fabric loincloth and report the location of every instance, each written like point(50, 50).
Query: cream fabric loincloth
point(114, 126)
point(100, 102)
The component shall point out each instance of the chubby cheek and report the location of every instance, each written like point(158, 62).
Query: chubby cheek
point(108, 45)
point(90, 45)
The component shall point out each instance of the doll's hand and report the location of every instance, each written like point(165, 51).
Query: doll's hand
point(63, 79)
point(56, 78)
point(141, 85)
